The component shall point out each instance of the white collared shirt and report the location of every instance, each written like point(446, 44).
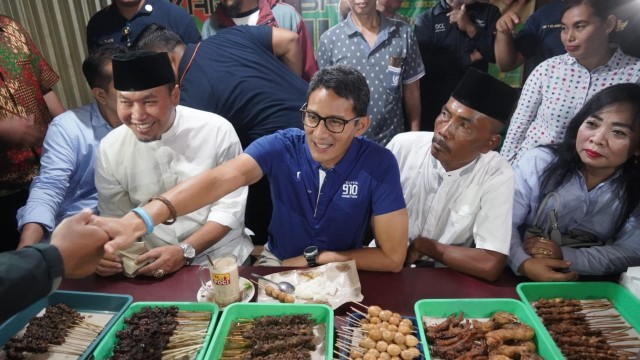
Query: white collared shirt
point(129, 172)
point(465, 207)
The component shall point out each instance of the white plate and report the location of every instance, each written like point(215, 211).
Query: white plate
point(341, 279)
point(246, 287)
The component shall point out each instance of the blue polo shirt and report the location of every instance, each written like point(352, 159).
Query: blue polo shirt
point(106, 26)
point(540, 35)
point(365, 183)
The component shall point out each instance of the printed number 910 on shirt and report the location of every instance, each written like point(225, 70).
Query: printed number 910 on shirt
point(350, 189)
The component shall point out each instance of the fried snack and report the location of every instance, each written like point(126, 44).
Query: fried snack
point(500, 337)
point(521, 332)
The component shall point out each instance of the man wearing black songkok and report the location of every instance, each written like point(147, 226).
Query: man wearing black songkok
point(459, 192)
point(161, 144)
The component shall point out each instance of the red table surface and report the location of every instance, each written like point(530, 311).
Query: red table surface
point(397, 292)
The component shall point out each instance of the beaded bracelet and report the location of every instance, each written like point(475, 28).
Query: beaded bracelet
point(172, 209)
point(144, 215)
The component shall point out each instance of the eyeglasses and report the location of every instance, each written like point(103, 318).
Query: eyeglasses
point(333, 124)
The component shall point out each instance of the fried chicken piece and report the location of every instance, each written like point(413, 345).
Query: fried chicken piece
point(514, 351)
point(521, 332)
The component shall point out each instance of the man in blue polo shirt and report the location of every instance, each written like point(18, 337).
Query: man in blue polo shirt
point(123, 20)
point(327, 184)
point(260, 90)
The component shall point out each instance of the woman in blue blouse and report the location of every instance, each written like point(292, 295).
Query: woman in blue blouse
point(595, 172)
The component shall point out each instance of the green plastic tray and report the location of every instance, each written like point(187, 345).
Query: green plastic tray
point(105, 348)
point(620, 297)
point(321, 313)
point(484, 308)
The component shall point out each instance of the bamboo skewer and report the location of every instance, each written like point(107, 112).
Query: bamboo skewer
point(257, 283)
point(614, 328)
point(361, 304)
point(350, 335)
point(79, 336)
point(358, 311)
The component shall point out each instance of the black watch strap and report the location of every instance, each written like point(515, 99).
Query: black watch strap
point(311, 260)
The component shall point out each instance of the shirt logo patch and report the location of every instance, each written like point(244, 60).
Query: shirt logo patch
point(350, 190)
point(480, 22)
point(440, 27)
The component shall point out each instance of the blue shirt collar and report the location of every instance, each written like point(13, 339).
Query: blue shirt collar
point(113, 8)
point(341, 166)
point(97, 120)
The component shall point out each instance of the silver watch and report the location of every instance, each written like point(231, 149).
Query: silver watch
point(188, 252)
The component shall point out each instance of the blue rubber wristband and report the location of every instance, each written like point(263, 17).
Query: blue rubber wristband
point(144, 215)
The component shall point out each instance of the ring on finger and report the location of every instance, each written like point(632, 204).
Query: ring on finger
point(159, 273)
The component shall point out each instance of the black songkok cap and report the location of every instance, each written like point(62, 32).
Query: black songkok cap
point(141, 70)
point(486, 94)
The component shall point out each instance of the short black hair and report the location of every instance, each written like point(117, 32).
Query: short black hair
point(157, 38)
point(93, 67)
point(346, 82)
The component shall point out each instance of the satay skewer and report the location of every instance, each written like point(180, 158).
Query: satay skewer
point(358, 311)
point(89, 326)
point(623, 339)
point(81, 347)
point(361, 304)
point(614, 330)
point(167, 355)
point(67, 351)
point(345, 347)
point(621, 347)
point(353, 317)
point(350, 333)
point(257, 284)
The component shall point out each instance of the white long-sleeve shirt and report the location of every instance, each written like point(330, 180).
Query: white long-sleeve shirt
point(129, 172)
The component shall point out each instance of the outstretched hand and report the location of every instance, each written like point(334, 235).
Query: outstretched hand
point(123, 232)
point(80, 244)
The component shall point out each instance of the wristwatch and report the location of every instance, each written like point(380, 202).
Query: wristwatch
point(310, 254)
point(188, 252)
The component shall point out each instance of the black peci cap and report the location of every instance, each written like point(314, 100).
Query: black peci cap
point(486, 94)
point(141, 70)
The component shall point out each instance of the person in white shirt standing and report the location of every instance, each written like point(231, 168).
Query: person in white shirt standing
point(162, 144)
point(459, 192)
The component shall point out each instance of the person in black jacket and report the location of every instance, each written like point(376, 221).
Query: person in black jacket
point(453, 36)
point(31, 273)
